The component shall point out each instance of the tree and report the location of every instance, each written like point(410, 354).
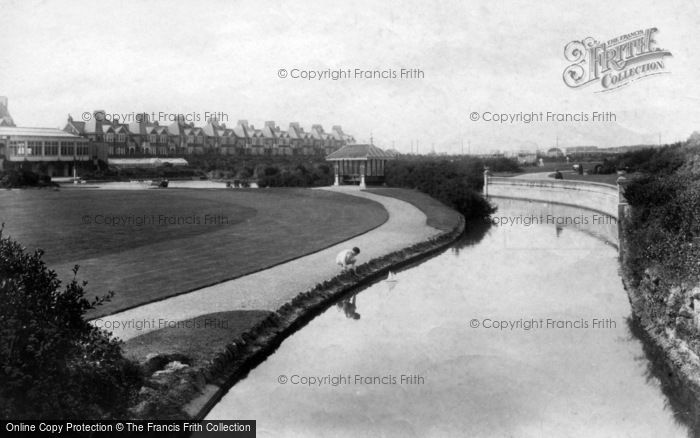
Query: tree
point(53, 363)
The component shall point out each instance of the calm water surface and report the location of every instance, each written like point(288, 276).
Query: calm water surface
point(552, 373)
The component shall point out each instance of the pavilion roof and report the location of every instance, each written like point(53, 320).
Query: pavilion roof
point(359, 152)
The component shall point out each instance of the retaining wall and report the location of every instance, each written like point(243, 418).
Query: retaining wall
point(599, 197)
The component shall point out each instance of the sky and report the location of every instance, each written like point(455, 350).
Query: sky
point(199, 57)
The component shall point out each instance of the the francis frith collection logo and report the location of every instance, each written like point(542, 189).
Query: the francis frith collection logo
point(614, 63)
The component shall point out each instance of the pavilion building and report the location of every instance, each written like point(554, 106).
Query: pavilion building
point(43, 150)
point(359, 163)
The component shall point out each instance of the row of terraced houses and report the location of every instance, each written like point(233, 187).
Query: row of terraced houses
point(144, 138)
point(59, 151)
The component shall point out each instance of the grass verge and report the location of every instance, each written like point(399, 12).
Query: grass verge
point(439, 215)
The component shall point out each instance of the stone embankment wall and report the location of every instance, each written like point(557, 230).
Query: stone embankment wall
point(593, 196)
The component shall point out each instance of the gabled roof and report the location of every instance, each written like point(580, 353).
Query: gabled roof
point(359, 152)
point(317, 134)
point(295, 131)
point(75, 127)
point(5, 117)
point(268, 132)
point(176, 128)
point(241, 131)
point(211, 129)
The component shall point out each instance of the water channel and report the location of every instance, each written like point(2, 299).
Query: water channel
point(519, 329)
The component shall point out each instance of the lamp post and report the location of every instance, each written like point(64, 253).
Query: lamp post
point(622, 211)
point(486, 181)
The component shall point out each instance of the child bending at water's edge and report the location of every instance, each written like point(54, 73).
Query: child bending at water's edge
point(346, 259)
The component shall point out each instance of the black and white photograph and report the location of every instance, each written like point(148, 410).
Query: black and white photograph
point(458, 218)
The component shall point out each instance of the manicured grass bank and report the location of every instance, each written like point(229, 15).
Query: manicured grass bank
point(198, 339)
point(167, 242)
point(439, 215)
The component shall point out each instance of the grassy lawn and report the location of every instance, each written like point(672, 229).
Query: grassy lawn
point(607, 179)
point(199, 338)
point(177, 240)
point(563, 166)
point(439, 215)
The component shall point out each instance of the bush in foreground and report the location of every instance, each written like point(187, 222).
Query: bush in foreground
point(53, 364)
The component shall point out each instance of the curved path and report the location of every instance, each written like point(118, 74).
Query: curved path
point(271, 288)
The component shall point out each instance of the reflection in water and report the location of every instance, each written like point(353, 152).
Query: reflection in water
point(473, 234)
point(559, 217)
point(349, 306)
point(439, 322)
point(679, 399)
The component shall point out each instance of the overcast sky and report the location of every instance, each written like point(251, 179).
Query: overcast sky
point(224, 56)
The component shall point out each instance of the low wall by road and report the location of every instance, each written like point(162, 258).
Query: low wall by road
point(599, 197)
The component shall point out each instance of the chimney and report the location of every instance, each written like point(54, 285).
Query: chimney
point(142, 118)
point(270, 124)
point(243, 123)
point(294, 125)
point(317, 127)
point(3, 101)
point(338, 129)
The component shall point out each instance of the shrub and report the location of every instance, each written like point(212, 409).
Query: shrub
point(53, 363)
point(23, 178)
point(664, 227)
point(454, 183)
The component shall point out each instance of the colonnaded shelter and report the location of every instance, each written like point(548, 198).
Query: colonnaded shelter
point(359, 163)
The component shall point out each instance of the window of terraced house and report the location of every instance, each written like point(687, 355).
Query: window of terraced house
point(152, 138)
point(121, 138)
point(109, 137)
point(163, 138)
point(200, 139)
point(190, 139)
